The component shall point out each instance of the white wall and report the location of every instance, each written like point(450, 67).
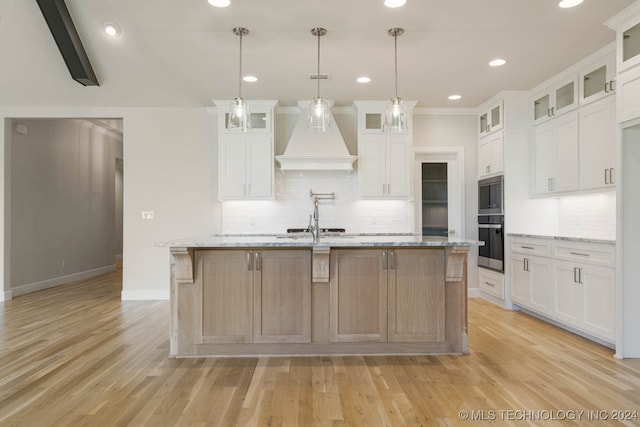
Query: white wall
point(629, 252)
point(62, 202)
point(456, 130)
point(170, 156)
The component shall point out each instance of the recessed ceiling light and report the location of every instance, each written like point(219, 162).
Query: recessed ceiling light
point(497, 62)
point(394, 3)
point(111, 29)
point(454, 97)
point(220, 3)
point(250, 79)
point(363, 79)
point(569, 3)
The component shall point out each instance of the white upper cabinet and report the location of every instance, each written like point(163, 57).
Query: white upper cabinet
point(491, 119)
point(245, 159)
point(598, 80)
point(598, 144)
point(626, 24)
point(384, 158)
point(559, 98)
point(384, 166)
point(627, 27)
point(245, 166)
point(371, 116)
point(490, 155)
point(556, 147)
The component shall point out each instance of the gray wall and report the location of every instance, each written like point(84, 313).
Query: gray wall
point(63, 201)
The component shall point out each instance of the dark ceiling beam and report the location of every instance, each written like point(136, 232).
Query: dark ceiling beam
point(66, 36)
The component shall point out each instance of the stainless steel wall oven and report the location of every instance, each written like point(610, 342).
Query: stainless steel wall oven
point(490, 231)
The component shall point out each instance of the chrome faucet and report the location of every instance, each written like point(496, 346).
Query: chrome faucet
point(314, 227)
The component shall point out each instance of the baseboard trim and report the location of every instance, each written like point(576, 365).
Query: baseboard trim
point(57, 281)
point(6, 295)
point(473, 292)
point(145, 295)
point(569, 328)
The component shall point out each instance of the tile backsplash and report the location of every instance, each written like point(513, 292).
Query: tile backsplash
point(293, 205)
point(588, 216)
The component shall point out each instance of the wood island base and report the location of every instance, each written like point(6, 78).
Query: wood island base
point(275, 301)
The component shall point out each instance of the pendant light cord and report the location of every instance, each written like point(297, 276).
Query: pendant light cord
point(395, 49)
point(318, 74)
point(240, 68)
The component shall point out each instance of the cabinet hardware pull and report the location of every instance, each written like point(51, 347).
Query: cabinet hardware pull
point(606, 179)
point(384, 187)
point(579, 254)
point(258, 261)
point(611, 170)
point(392, 260)
point(580, 276)
point(553, 111)
point(384, 260)
point(524, 264)
point(612, 85)
point(575, 272)
point(606, 87)
point(490, 284)
point(528, 247)
point(388, 189)
point(249, 264)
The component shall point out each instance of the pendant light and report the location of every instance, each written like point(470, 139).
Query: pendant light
point(319, 107)
point(396, 114)
point(239, 112)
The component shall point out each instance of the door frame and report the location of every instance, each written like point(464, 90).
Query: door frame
point(454, 156)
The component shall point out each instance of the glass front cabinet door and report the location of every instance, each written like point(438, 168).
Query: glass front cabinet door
point(598, 80)
point(556, 100)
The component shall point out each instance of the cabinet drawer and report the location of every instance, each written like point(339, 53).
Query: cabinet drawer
point(491, 282)
point(587, 253)
point(538, 247)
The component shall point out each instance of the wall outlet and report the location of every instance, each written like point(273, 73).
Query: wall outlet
point(147, 214)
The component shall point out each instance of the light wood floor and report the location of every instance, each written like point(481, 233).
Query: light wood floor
point(76, 355)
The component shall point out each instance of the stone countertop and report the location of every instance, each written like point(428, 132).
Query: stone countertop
point(305, 241)
point(565, 238)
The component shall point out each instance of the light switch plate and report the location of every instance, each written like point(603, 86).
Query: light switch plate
point(147, 214)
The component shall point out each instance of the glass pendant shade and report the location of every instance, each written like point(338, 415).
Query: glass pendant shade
point(319, 109)
point(239, 115)
point(396, 116)
point(319, 117)
point(239, 111)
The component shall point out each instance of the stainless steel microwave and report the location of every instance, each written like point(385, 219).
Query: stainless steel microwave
point(490, 195)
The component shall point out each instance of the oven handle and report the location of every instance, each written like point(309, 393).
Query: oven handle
point(489, 225)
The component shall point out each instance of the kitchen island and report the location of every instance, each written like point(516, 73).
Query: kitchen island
point(348, 294)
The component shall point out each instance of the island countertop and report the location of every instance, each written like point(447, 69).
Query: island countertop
point(305, 240)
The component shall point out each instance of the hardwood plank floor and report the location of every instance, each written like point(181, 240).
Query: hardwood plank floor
point(76, 355)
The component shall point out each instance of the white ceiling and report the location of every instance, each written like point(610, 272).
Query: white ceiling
point(183, 52)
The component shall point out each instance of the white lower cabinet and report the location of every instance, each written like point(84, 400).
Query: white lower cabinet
point(530, 269)
point(491, 282)
point(531, 284)
point(570, 282)
point(585, 297)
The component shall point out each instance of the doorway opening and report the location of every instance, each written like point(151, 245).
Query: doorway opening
point(440, 180)
point(64, 204)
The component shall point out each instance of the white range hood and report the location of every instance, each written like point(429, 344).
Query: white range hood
point(312, 150)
